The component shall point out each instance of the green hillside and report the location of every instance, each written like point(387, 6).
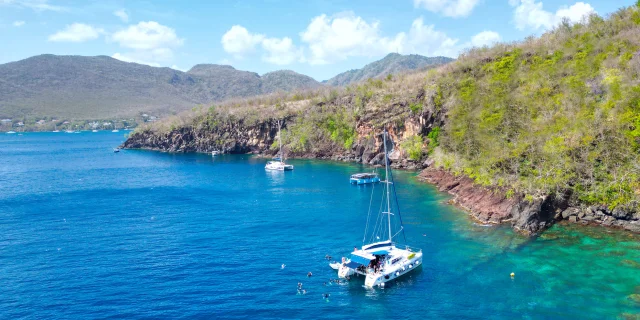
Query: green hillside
point(556, 115)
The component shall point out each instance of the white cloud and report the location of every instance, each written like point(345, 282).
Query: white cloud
point(122, 14)
point(281, 51)
point(529, 14)
point(18, 23)
point(336, 38)
point(76, 32)
point(239, 41)
point(147, 35)
point(127, 58)
point(329, 39)
point(485, 38)
point(448, 8)
point(175, 67)
point(37, 5)
point(426, 40)
point(150, 42)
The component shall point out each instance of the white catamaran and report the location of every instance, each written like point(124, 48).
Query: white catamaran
point(279, 164)
point(381, 261)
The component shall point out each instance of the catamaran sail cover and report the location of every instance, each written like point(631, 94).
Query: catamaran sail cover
point(362, 257)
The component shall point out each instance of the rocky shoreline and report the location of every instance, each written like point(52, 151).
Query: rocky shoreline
point(493, 206)
point(486, 205)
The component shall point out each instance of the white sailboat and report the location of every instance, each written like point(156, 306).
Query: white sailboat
point(279, 164)
point(382, 261)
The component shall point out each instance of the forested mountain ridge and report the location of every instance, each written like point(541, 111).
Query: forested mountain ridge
point(393, 63)
point(79, 87)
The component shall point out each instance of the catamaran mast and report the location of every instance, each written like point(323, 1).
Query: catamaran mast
point(386, 170)
point(280, 142)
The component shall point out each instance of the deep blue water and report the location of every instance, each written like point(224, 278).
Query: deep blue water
point(86, 233)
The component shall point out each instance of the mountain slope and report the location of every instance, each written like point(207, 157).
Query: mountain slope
point(79, 87)
point(391, 64)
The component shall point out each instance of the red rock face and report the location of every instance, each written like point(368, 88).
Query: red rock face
point(487, 205)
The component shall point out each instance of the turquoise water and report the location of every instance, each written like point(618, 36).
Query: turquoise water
point(86, 233)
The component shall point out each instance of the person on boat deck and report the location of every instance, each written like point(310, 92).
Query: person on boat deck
point(355, 249)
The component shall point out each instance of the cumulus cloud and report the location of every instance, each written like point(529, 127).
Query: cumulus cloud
point(329, 39)
point(281, 51)
point(122, 14)
point(529, 14)
point(147, 35)
point(448, 8)
point(336, 38)
point(128, 58)
point(485, 38)
point(175, 67)
point(239, 41)
point(426, 40)
point(76, 32)
point(18, 23)
point(150, 43)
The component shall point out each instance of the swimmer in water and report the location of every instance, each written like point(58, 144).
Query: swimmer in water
point(309, 274)
point(283, 265)
point(299, 285)
point(326, 295)
point(304, 291)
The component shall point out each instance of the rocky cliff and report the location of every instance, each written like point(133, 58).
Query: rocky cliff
point(490, 205)
point(493, 205)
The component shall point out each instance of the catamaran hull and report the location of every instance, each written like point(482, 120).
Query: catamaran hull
point(364, 181)
point(345, 271)
point(379, 279)
point(279, 168)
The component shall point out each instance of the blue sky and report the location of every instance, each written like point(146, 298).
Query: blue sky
point(320, 38)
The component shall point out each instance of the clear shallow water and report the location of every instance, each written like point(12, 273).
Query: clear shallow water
point(86, 233)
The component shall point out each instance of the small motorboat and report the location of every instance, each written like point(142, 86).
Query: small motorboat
point(11, 132)
point(215, 153)
point(116, 150)
point(364, 178)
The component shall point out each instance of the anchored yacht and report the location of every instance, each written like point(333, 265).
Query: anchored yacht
point(382, 260)
point(278, 164)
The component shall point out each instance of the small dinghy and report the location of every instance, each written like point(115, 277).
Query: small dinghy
point(364, 178)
